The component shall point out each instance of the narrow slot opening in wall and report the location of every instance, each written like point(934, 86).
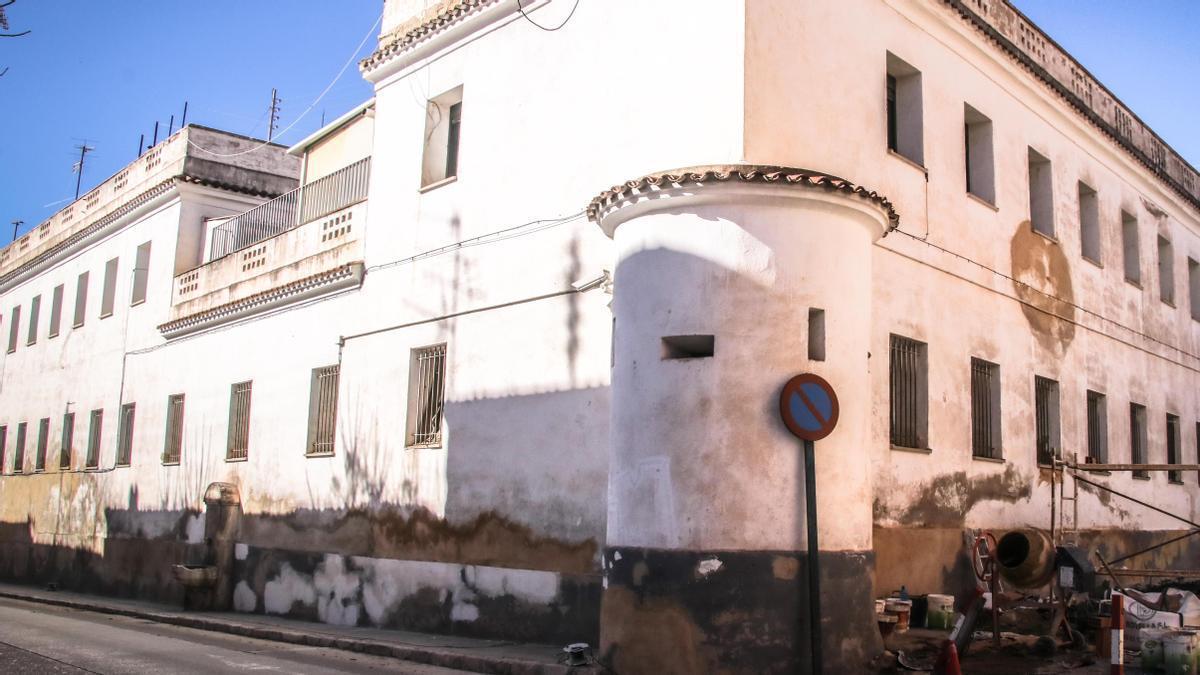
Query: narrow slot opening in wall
point(816, 334)
point(981, 179)
point(1129, 248)
point(1194, 287)
point(904, 114)
point(688, 346)
point(1041, 194)
point(1166, 271)
point(1089, 223)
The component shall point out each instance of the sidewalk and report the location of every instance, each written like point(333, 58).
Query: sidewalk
point(484, 656)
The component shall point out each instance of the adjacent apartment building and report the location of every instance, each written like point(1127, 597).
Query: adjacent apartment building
point(497, 353)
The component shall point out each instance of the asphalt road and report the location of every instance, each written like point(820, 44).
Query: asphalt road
point(44, 639)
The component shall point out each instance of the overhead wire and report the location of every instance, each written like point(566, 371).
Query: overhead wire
point(574, 7)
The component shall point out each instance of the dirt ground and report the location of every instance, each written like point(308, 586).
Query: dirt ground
point(917, 650)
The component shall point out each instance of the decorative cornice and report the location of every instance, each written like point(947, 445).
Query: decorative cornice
point(399, 40)
point(748, 173)
point(338, 278)
point(229, 187)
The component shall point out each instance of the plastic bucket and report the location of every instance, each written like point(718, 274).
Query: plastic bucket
point(1180, 652)
point(902, 610)
point(940, 614)
point(1152, 647)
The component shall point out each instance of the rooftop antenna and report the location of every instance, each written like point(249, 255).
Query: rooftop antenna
point(171, 125)
point(183, 122)
point(84, 149)
point(16, 225)
point(274, 115)
point(141, 144)
point(155, 141)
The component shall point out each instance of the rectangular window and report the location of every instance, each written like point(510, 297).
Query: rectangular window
point(81, 290)
point(1097, 428)
point(322, 410)
point(109, 292)
point(1089, 223)
point(1194, 287)
point(125, 435)
point(985, 409)
point(93, 447)
point(56, 301)
point(19, 455)
point(908, 384)
point(1138, 440)
point(816, 334)
point(1166, 271)
point(1173, 449)
point(43, 441)
point(4, 444)
point(905, 128)
point(1130, 250)
point(173, 445)
point(443, 125)
point(1048, 420)
point(14, 329)
point(68, 438)
point(239, 421)
point(35, 310)
point(1041, 194)
point(141, 274)
point(426, 396)
point(981, 178)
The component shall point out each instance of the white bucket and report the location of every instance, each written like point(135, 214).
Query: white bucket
point(1151, 640)
point(940, 614)
point(1181, 649)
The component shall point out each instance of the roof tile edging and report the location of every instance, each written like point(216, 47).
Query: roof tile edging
point(402, 42)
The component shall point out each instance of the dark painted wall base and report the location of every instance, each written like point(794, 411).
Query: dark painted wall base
point(733, 612)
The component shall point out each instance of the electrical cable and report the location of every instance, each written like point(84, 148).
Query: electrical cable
point(574, 7)
point(352, 59)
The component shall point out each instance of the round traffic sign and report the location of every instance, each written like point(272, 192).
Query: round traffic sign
point(809, 407)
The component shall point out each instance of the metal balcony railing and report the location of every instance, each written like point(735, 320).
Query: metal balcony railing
point(289, 210)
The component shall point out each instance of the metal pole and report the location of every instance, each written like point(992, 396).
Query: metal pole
point(814, 563)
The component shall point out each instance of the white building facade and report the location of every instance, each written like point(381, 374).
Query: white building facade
point(461, 386)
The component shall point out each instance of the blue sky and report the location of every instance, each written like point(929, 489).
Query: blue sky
point(89, 71)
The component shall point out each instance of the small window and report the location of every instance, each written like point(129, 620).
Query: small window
point(816, 334)
point(239, 421)
point(1041, 194)
point(81, 291)
point(14, 329)
point(1048, 420)
point(19, 455)
point(109, 296)
point(443, 124)
point(141, 274)
point(1097, 428)
point(908, 385)
point(173, 445)
point(95, 424)
point(68, 438)
point(985, 409)
point(1089, 223)
point(1138, 440)
point(1194, 287)
point(1173, 449)
point(688, 346)
point(1130, 250)
point(905, 129)
point(43, 442)
point(981, 178)
point(4, 444)
point(35, 310)
point(56, 301)
point(125, 435)
point(1166, 271)
point(426, 396)
point(322, 410)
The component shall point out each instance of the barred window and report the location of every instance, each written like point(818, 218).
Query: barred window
point(43, 440)
point(1173, 448)
point(125, 435)
point(4, 444)
point(908, 384)
point(95, 426)
point(239, 421)
point(985, 409)
point(322, 410)
point(1048, 420)
point(426, 395)
point(1137, 438)
point(19, 456)
point(173, 446)
point(1097, 428)
point(68, 438)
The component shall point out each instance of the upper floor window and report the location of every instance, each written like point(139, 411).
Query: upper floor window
point(1194, 287)
point(1166, 271)
point(1048, 420)
point(1138, 439)
point(908, 382)
point(1097, 428)
point(443, 124)
point(109, 295)
point(35, 310)
point(322, 410)
point(1130, 250)
point(905, 130)
point(81, 290)
point(1089, 223)
point(56, 301)
point(239, 421)
point(981, 178)
point(14, 329)
point(1041, 194)
point(141, 274)
point(985, 409)
point(1173, 448)
point(426, 396)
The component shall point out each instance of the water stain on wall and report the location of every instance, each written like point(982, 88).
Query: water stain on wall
point(1043, 284)
point(945, 500)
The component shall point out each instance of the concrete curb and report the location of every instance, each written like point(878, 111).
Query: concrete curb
point(445, 657)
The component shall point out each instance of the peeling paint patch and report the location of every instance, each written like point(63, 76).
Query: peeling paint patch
point(240, 550)
point(286, 590)
point(244, 599)
point(337, 591)
point(707, 566)
point(463, 611)
point(946, 500)
point(195, 529)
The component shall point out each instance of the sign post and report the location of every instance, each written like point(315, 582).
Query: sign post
point(809, 409)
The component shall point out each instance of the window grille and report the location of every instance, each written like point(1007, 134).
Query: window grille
point(125, 435)
point(985, 409)
point(173, 447)
point(68, 438)
point(1137, 438)
point(4, 444)
point(19, 456)
point(427, 390)
point(35, 311)
point(95, 425)
point(907, 375)
point(1048, 419)
point(239, 421)
point(1097, 426)
point(43, 440)
point(322, 410)
point(1173, 448)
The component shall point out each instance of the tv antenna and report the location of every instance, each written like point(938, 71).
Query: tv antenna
point(83, 149)
point(273, 117)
